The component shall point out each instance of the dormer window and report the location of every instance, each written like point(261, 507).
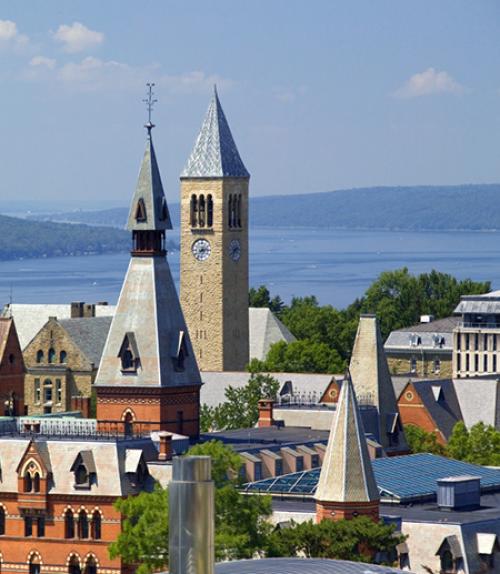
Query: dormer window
point(163, 210)
point(140, 211)
point(84, 470)
point(179, 352)
point(129, 354)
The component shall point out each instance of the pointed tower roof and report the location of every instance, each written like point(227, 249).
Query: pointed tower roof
point(346, 473)
point(149, 210)
point(215, 154)
point(373, 383)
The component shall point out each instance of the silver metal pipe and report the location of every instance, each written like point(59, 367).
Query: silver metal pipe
point(191, 516)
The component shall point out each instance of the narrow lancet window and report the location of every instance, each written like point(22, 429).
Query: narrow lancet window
point(201, 211)
point(194, 211)
point(210, 211)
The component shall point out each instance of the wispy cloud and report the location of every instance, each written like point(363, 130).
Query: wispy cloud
point(429, 82)
point(77, 37)
point(10, 36)
point(93, 74)
point(288, 95)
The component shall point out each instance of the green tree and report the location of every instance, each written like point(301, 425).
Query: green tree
point(420, 440)
point(479, 445)
point(241, 528)
point(359, 539)
point(241, 406)
point(144, 536)
point(261, 297)
point(302, 356)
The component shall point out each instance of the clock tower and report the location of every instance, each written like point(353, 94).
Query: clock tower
point(214, 246)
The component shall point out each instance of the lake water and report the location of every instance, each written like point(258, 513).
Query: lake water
point(335, 265)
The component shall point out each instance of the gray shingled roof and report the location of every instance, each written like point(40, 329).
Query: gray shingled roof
point(479, 400)
point(89, 335)
point(215, 154)
point(436, 336)
point(265, 330)
point(149, 190)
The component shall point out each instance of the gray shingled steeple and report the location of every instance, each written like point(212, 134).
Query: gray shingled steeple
point(149, 210)
point(215, 154)
point(347, 474)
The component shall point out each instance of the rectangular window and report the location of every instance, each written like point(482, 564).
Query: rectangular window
point(47, 393)
point(41, 526)
point(459, 341)
point(278, 468)
point(37, 391)
point(467, 341)
point(485, 363)
point(459, 362)
point(467, 362)
point(476, 342)
point(28, 526)
point(59, 390)
point(494, 363)
point(485, 342)
point(257, 471)
point(315, 460)
point(299, 464)
point(476, 362)
point(413, 365)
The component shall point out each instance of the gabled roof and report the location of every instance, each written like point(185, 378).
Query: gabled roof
point(8, 331)
point(372, 380)
point(88, 334)
point(215, 154)
point(149, 198)
point(347, 474)
point(265, 330)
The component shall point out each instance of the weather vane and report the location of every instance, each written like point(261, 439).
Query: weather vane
point(150, 102)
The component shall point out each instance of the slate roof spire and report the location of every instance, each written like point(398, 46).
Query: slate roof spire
point(215, 154)
point(149, 210)
point(372, 381)
point(347, 474)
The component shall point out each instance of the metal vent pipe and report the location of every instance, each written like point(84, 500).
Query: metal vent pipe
point(191, 516)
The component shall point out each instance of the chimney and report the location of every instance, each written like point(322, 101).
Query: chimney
point(265, 413)
point(77, 309)
point(165, 452)
point(191, 516)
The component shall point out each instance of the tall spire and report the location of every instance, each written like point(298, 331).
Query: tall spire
point(372, 381)
point(149, 210)
point(215, 154)
point(346, 486)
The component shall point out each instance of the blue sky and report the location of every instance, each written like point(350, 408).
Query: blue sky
point(320, 95)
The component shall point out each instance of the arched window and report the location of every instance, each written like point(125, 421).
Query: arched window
point(39, 356)
point(51, 355)
point(62, 356)
point(201, 211)
point(28, 482)
point(210, 211)
point(194, 211)
point(2, 520)
point(96, 525)
point(74, 565)
point(230, 211)
point(36, 482)
point(90, 566)
point(83, 525)
point(238, 212)
point(69, 524)
point(47, 390)
point(128, 424)
point(140, 211)
point(34, 567)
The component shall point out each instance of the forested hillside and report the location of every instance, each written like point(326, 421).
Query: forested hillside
point(20, 238)
point(466, 207)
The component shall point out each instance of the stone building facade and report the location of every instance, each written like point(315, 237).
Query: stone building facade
point(214, 247)
point(11, 370)
point(61, 364)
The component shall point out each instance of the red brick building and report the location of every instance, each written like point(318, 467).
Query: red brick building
point(57, 496)
point(148, 375)
point(11, 370)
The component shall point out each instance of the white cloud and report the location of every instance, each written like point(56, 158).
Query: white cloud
point(77, 37)
point(10, 36)
point(43, 62)
point(429, 82)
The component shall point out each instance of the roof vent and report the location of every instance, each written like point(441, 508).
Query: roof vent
point(426, 318)
point(459, 492)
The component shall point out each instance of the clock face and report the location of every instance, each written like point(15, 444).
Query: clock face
point(235, 250)
point(201, 249)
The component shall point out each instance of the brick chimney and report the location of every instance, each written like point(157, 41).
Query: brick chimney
point(265, 413)
point(165, 452)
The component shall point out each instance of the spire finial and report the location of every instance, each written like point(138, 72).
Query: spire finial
point(150, 102)
point(216, 95)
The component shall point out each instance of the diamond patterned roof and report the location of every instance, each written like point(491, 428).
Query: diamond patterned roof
point(215, 154)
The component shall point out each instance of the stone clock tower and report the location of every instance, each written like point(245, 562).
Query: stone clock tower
point(214, 246)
